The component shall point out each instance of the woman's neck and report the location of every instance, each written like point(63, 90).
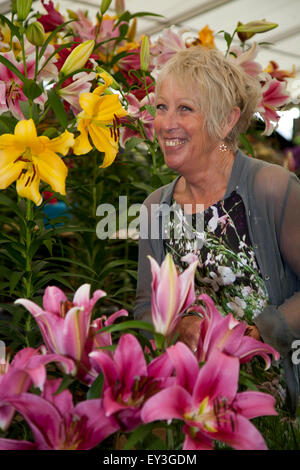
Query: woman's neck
point(205, 185)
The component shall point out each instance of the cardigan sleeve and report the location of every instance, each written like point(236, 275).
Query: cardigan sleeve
point(147, 247)
point(280, 325)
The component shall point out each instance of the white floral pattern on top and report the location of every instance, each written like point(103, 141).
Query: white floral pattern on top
point(228, 270)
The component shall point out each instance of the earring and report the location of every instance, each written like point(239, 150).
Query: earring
point(223, 147)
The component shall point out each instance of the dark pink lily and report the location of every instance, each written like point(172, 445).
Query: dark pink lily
point(172, 294)
point(52, 19)
point(66, 326)
point(135, 113)
point(57, 424)
point(129, 381)
point(206, 399)
point(274, 95)
point(26, 369)
point(228, 335)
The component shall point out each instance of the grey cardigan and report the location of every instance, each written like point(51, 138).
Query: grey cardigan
point(271, 196)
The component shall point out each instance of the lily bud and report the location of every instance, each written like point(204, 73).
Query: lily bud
point(244, 36)
point(132, 30)
point(35, 33)
point(255, 27)
point(78, 57)
point(105, 4)
point(23, 9)
point(145, 54)
point(13, 6)
point(119, 7)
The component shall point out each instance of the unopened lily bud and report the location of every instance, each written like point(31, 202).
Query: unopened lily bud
point(132, 30)
point(13, 6)
point(119, 7)
point(78, 57)
point(23, 9)
point(35, 33)
point(145, 54)
point(254, 27)
point(244, 36)
point(105, 4)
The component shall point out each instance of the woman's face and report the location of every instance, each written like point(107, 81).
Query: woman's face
point(179, 126)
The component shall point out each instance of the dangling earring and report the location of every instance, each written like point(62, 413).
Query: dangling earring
point(223, 147)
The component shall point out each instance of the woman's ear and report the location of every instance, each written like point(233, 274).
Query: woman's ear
point(232, 120)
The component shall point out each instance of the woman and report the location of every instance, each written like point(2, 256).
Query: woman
point(249, 250)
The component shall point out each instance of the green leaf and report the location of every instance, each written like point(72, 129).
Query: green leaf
point(7, 201)
point(58, 108)
point(9, 123)
point(15, 31)
point(52, 36)
point(31, 89)
point(246, 144)
point(132, 143)
point(14, 279)
point(48, 245)
point(95, 390)
point(151, 109)
point(138, 435)
point(142, 325)
point(228, 39)
point(65, 383)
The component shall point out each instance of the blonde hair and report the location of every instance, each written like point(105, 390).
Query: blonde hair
point(220, 85)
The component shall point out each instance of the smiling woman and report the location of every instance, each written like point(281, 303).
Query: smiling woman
point(203, 102)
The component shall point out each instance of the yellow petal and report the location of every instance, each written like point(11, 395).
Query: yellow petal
point(103, 141)
point(82, 144)
point(62, 143)
point(10, 172)
point(109, 106)
point(52, 170)
point(108, 80)
point(26, 129)
point(7, 140)
point(28, 185)
point(89, 103)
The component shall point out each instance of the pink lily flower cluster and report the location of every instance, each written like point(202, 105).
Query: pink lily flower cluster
point(137, 113)
point(66, 326)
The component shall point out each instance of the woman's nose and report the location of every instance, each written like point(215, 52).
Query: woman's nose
point(169, 120)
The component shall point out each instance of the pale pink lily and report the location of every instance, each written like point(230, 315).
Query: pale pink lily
point(274, 95)
point(83, 26)
point(81, 83)
point(26, 368)
point(65, 325)
point(172, 294)
point(137, 113)
point(206, 399)
point(129, 381)
point(11, 92)
point(57, 424)
point(228, 335)
point(166, 46)
point(246, 59)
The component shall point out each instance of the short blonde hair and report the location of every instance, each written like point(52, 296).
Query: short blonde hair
point(220, 86)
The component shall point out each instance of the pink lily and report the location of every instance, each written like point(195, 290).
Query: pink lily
point(246, 59)
point(27, 368)
point(129, 382)
point(228, 335)
point(166, 46)
point(52, 19)
point(136, 112)
point(65, 325)
point(57, 424)
point(81, 84)
point(172, 294)
point(274, 95)
point(11, 92)
point(206, 399)
point(83, 26)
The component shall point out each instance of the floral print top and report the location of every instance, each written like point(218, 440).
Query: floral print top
point(228, 271)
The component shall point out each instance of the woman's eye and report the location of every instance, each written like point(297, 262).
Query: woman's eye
point(160, 107)
point(185, 108)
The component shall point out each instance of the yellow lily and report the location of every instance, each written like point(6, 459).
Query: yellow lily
point(99, 121)
point(29, 158)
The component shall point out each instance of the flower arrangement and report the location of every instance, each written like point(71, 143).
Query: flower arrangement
point(76, 126)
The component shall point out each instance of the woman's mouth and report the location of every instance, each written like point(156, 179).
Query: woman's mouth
point(174, 142)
